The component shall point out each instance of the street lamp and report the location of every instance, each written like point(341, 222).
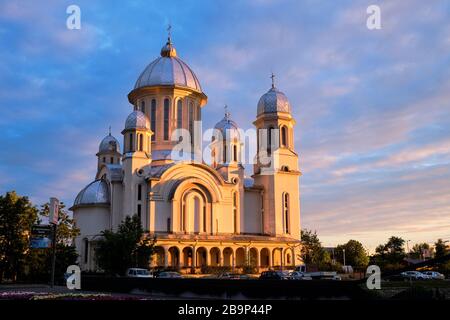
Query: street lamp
point(343, 250)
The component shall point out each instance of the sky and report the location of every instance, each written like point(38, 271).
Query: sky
point(372, 106)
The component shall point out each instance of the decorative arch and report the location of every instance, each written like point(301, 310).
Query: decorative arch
point(195, 210)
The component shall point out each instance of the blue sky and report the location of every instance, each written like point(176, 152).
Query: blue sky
point(372, 106)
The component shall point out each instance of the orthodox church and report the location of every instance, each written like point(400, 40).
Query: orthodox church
point(201, 214)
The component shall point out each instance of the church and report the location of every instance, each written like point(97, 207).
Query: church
point(202, 214)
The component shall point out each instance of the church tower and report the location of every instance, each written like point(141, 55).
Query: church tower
point(108, 152)
point(169, 94)
point(136, 154)
point(226, 149)
point(276, 167)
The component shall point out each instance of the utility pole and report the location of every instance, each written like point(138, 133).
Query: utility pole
point(53, 219)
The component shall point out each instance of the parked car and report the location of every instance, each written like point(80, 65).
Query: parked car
point(138, 273)
point(296, 275)
point(274, 275)
point(434, 275)
point(414, 275)
point(169, 274)
point(228, 275)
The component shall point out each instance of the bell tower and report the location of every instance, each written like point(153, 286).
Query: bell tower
point(276, 167)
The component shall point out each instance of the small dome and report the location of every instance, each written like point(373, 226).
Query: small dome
point(137, 120)
point(168, 70)
point(228, 128)
point(97, 192)
point(109, 144)
point(273, 101)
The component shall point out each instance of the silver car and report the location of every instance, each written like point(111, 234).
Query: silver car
point(414, 275)
point(434, 275)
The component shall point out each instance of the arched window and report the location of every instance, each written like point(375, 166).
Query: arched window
point(179, 114)
point(191, 121)
point(153, 119)
point(235, 153)
point(198, 113)
point(166, 118)
point(143, 106)
point(139, 195)
point(286, 212)
point(284, 138)
point(139, 209)
point(269, 140)
point(141, 142)
point(224, 153)
point(131, 143)
point(204, 218)
point(86, 250)
point(104, 159)
point(235, 210)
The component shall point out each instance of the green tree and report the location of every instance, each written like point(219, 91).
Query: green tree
point(440, 248)
point(390, 255)
point(312, 252)
point(38, 262)
point(66, 230)
point(355, 254)
point(127, 247)
point(17, 215)
point(418, 250)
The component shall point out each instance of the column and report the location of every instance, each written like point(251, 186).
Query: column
point(166, 256)
point(258, 252)
point(270, 258)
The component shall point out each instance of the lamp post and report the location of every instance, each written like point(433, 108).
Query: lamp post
point(343, 250)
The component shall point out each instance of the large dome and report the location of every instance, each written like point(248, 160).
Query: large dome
point(168, 70)
point(109, 144)
point(137, 120)
point(97, 192)
point(273, 101)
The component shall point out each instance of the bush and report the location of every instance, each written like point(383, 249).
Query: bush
point(214, 270)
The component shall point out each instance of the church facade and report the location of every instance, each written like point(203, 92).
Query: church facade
point(201, 214)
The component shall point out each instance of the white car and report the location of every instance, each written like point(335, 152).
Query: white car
point(414, 275)
point(434, 275)
point(138, 273)
point(296, 275)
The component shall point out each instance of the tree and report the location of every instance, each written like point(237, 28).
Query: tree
point(389, 255)
point(418, 250)
point(312, 251)
point(39, 261)
point(440, 248)
point(127, 247)
point(66, 230)
point(17, 215)
point(355, 254)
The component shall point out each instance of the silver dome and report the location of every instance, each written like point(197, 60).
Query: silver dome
point(227, 128)
point(97, 192)
point(273, 101)
point(168, 70)
point(137, 120)
point(109, 144)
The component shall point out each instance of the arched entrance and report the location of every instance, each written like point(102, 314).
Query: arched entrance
point(240, 257)
point(174, 257)
point(276, 257)
point(202, 257)
point(215, 257)
point(228, 257)
point(253, 257)
point(158, 257)
point(264, 258)
point(187, 257)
